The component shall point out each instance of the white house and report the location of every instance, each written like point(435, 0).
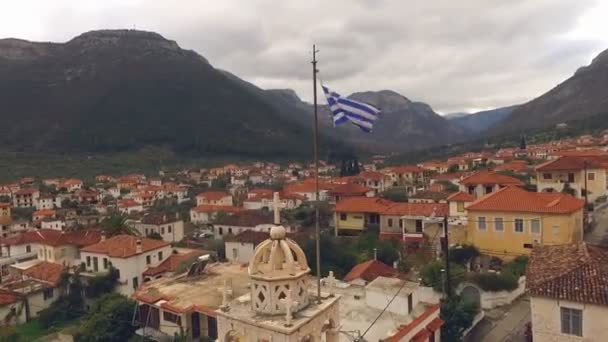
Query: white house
point(128, 206)
point(240, 247)
point(169, 227)
point(205, 213)
point(52, 223)
point(214, 198)
point(25, 198)
point(129, 255)
point(48, 202)
point(568, 292)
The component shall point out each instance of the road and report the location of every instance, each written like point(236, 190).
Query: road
point(504, 324)
point(599, 234)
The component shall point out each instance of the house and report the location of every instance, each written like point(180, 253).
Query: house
point(365, 272)
point(46, 201)
point(413, 222)
point(129, 255)
point(517, 166)
point(342, 191)
point(579, 172)
point(353, 215)
point(39, 215)
point(129, 205)
point(178, 262)
point(485, 182)
point(457, 204)
point(12, 308)
point(169, 227)
point(71, 184)
point(568, 292)
point(511, 221)
point(377, 181)
point(214, 198)
point(37, 283)
point(256, 220)
point(25, 198)
point(240, 247)
point(5, 219)
point(306, 189)
point(259, 199)
point(429, 197)
point(205, 213)
point(52, 223)
point(409, 175)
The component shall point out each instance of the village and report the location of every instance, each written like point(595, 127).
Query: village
point(511, 241)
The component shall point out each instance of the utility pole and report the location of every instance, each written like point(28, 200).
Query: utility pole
point(585, 169)
point(316, 158)
point(448, 290)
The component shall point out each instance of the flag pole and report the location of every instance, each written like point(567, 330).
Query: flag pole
point(316, 159)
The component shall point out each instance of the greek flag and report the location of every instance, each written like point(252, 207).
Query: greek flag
point(343, 109)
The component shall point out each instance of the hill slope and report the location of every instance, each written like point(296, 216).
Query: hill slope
point(580, 96)
point(480, 121)
point(114, 90)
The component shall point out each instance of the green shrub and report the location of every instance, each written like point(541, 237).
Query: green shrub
point(463, 254)
point(432, 275)
point(495, 281)
point(516, 267)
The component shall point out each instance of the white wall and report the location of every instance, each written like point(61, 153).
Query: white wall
point(546, 320)
point(244, 251)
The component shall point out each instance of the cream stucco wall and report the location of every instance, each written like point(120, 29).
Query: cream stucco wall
point(546, 321)
point(596, 186)
point(241, 252)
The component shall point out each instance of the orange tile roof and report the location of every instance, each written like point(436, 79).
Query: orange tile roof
point(123, 246)
point(249, 236)
point(515, 165)
point(461, 197)
point(374, 175)
point(405, 329)
point(127, 203)
point(576, 272)
point(172, 263)
point(362, 205)
point(403, 169)
point(515, 199)
point(48, 272)
point(350, 189)
point(53, 237)
point(8, 297)
point(210, 208)
point(416, 209)
point(370, 270)
point(489, 177)
point(213, 195)
point(573, 163)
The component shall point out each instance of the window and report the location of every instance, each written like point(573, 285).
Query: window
point(88, 261)
point(95, 264)
point(547, 176)
point(481, 223)
point(489, 189)
point(518, 225)
point(28, 249)
point(535, 226)
point(160, 256)
point(220, 230)
point(556, 230)
point(390, 222)
point(229, 230)
point(499, 224)
point(162, 230)
point(400, 223)
point(471, 190)
point(148, 260)
point(169, 229)
point(460, 207)
point(47, 293)
point(105, 263)
point(135, 283)
point(342, 217)
point(572, 321)
point(418, 226)
point(590, 176)
point(571, 177)
point(171, 317)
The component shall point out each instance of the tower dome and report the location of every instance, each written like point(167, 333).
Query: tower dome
point(278, 270)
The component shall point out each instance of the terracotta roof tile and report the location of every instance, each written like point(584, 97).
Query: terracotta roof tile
point(417, 209)
point(246, 218)
point(248, 236)
point(577, 272)
point(490, 177)
point(407, 328)
point(8, 297)
point(362, 205)
point(53, 237)
point(349, 189)
point(123, 246)
point(213, 195)
point(172, 263)
point(370, 270)
point(48, 272)
point(461, 197)
point(210, 208)
point(515, 199)
point(573, 163)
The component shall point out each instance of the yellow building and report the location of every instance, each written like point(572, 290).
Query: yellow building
point(579, 172)
point(355, 214)
point(511, 221)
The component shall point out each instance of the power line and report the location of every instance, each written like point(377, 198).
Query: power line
point(383, 310)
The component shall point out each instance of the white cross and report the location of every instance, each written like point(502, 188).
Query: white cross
point(331, 282)
point(277, 205)
point(289, 304)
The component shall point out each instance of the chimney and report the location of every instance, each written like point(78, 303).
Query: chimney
point(103, 236)
point(138, 248)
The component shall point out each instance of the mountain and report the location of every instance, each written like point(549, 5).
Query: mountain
point(451, 116)
point(404, 125)
point(117, 90)
point(480, 121)
point(580, 96)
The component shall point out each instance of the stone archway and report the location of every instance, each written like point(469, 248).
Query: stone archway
point(472, 294)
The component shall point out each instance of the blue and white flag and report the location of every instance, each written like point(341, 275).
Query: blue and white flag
point(344, 109)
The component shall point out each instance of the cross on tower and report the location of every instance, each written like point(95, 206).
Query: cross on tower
point(277, 205)
point(289, 304)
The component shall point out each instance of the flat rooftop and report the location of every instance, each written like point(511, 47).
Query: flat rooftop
point(204, 291)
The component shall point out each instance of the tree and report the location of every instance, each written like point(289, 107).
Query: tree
point(68, 306)
point(463, 254)
point(116, 224)
point(109, 320)
point(395, 195)
point(453, 168)
point(432, 274)
point(458, 316)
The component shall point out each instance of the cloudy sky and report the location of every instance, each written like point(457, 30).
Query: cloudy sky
point(455, 55)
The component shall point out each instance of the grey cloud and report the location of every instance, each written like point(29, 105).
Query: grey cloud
point(453, 55)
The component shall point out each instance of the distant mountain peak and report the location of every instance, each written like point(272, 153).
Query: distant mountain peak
point(384, 99)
